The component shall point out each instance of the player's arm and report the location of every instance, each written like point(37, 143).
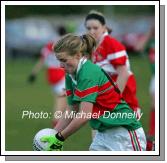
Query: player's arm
point(123, 75)
point(68, 127)
point(38, 66)
point(65, 119)
point(55, 142)
point(117, 58)
point(35, 70)
point(77, 123)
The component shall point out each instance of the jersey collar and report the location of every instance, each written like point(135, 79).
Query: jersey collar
point(80, 64)
point(102, 38)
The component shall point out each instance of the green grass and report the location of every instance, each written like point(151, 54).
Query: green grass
point(141, 68)
point(37, 97)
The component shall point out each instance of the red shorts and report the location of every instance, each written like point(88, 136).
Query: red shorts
point(55, 75)
point(129, 93)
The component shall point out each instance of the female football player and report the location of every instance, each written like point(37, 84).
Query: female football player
point(111, 55)
point(55, 74)
point(93, 97)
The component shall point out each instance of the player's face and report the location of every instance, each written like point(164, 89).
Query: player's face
point(69, 63)
point(95, 28)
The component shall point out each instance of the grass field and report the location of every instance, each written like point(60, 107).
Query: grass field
point(37, 97)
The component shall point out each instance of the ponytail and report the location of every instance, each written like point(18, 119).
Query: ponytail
point(88, 45)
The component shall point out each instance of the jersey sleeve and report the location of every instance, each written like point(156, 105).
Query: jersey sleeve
point(116, 51)
point(86, 91)
point(46, 50)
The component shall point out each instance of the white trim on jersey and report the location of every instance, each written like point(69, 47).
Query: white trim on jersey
point(101, 63)
point(116, 55)
point(107, 66)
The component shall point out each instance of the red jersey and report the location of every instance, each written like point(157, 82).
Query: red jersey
point(111, 53)
point(54, 72)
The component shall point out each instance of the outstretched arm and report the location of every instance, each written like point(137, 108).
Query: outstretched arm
point(35, 70)
point(38, 66)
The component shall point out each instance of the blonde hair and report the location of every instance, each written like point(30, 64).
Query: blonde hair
point(73, 44)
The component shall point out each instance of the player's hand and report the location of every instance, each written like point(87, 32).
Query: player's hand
point(31, 78)
point(54, 144)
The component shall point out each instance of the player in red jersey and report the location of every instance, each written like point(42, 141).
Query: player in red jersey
point(111, 55)
point(55, 74)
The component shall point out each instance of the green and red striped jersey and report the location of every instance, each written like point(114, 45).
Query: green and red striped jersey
point(90, 84)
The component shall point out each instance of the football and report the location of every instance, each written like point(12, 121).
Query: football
point(37, 144)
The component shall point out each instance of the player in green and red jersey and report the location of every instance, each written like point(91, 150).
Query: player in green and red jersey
point(90, 91)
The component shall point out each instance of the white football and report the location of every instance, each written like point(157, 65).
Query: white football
point(37, 144)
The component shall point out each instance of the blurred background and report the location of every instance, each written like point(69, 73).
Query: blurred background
point(28, 29)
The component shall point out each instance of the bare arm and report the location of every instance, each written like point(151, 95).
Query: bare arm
point(123, 76)
point(38, 66)
point(77, 123)
point(65, 120)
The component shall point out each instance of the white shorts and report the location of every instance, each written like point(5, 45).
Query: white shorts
point(119, 139)
point(152, 85)
point(59, 87)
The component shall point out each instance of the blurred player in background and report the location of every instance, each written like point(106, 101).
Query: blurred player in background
point(111, 55)
point(90, 94)
point(55, 74)
point(148, 45)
